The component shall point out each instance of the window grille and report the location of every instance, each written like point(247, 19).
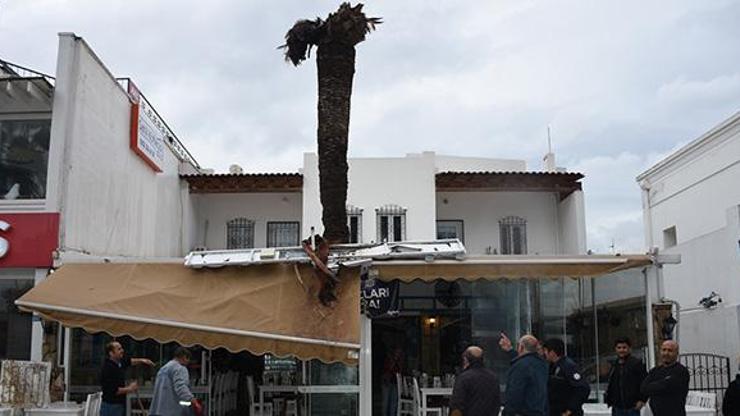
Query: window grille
point(283, 234)
point(391, 223)
point(513, 232)
point(354, 223)
point(239, 233)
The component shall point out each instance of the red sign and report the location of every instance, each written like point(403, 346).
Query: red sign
point(28, 240)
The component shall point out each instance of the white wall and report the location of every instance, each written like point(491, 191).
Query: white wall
point(572, 224)
point(374, 182)
point(217, 209)
point(445, 163)
point(111, 202)
point(481, 212)
point(696, 190)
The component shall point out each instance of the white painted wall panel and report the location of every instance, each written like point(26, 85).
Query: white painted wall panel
point(481, 212)
point(111, 202)
point(217, 209)
point(374, 182)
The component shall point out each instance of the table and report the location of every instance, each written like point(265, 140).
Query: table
point(56, 409)
point(328, 389)
point(433, 391)
point(600, 409)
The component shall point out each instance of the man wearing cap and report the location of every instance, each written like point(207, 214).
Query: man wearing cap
point(567, 389)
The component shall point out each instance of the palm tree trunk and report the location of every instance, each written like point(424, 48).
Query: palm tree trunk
point(336, 68)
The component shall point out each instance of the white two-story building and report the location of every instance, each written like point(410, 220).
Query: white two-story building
point(691, 206)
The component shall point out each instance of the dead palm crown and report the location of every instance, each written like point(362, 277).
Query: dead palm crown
point(335, 39)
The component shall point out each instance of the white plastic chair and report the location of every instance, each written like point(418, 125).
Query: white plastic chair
point(420, 408)
point(405, 401)
point(702, 399)
point(254, 406)
point(92, 404)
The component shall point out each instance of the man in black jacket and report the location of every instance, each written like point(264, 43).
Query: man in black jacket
point(731, 401)
point(667, 385)
point(526, 383)
point(567, 389)
point(476, 391)
point(627, 373)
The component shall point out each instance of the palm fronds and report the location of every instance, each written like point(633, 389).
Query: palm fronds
point(348, 25)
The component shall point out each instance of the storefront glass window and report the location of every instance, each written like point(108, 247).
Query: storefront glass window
point(24, 157)
point(15, 326)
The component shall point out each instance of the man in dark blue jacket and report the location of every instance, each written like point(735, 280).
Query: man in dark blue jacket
point(526, 384)
point(567, 389)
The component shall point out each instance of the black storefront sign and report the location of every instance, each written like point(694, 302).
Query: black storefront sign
point(380, 298)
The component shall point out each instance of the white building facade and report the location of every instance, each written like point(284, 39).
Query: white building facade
point(691, 206)
point(491, 208)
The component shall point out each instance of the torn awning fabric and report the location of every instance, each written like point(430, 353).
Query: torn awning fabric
point(261, 309)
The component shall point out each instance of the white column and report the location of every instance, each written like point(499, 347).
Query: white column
point(366, 365)
point(67, 362)
point(37, 330)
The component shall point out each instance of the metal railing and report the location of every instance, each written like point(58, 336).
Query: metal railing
point(709, 373)
point(21, 71)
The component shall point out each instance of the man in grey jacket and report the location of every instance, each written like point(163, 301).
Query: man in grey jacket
point(172, 395)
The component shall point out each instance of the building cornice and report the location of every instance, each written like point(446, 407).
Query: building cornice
point(707, 141)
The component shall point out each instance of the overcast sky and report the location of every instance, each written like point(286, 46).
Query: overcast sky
point(621, 83)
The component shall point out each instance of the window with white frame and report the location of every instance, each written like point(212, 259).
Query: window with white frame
point(447, 229)
point(391, 223)
point(283, 233)
point(354, 223)
point(240, 233)
point(513, 232)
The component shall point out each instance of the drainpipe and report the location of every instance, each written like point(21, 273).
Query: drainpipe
point(649, 318)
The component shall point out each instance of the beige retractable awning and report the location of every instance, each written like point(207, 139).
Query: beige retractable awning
point(261, 309)
point(511, 267)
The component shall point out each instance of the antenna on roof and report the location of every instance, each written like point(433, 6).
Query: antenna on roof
point(549, 159)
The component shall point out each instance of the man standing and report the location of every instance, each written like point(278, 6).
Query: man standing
point(476, 391)
point(172, 395)
point(667, 385)
point(627, 373)
point(731, 401)
point(113, 379)
point(567, 390)
point(526, 383)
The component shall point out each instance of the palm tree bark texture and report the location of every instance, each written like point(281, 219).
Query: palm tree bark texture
point(335, 39)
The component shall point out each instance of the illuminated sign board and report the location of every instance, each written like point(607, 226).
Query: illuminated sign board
point(148, 131)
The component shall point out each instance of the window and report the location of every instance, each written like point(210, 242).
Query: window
point(283, 234)
point(450, 229)
point(513, 232)
point(24, 157)
point(669, 237)
point(391, 223)
point(240, 233)
point(354, 222)
point(15, 326)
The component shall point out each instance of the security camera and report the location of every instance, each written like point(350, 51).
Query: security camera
point(710, 301)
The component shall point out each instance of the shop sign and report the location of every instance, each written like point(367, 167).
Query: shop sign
point(380, 298)
point(28, 240)
point(148, 131)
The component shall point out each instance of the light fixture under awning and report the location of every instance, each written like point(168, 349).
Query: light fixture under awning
point(508, 267)
point(262, 309)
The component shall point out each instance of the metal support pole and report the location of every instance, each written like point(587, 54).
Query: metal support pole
point(67, 362)
point(596, 338)
point(649, 318)
point(366, 365)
